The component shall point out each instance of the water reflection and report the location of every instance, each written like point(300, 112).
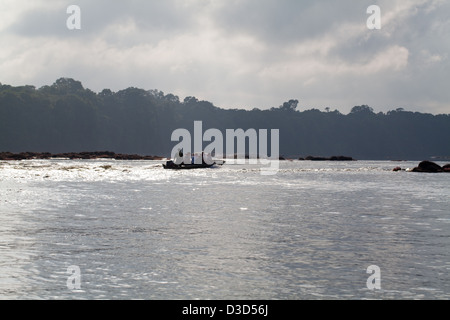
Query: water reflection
point(137, 231)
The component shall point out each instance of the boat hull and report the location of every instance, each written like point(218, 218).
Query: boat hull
point(173, 166)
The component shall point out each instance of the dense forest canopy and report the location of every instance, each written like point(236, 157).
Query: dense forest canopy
point(66, 117)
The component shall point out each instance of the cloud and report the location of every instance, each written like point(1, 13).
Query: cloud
point(237, 53)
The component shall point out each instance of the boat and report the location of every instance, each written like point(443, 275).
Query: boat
point(188, 161)
point(171, 165)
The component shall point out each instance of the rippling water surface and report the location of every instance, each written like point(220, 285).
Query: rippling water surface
point(137, 231)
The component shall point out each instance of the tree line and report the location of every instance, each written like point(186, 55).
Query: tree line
point(66, 117)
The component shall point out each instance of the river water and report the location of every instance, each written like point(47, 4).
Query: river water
point(137, 231)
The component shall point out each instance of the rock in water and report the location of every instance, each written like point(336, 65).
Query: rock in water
point(428, 166)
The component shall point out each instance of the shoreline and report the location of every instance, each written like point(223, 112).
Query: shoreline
point(424, 166)
point(8, 156)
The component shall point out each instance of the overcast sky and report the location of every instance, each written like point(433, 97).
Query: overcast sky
point(238, 53)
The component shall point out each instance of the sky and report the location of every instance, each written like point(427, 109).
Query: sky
point(238, 53)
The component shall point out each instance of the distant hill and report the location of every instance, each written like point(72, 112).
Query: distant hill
point(66, 117)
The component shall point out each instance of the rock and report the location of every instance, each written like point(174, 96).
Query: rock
point(341, 158)
point(5, 155)
point(397, 169)
point(428, 166)
point(75, 155)
point(311, 158)
point(446, 168)
point(13, 156)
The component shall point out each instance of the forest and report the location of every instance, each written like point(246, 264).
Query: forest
point(66, 117)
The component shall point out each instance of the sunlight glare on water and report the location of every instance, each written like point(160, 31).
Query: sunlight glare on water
point(137, 231)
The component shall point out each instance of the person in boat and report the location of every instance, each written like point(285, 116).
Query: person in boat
point(178, 157)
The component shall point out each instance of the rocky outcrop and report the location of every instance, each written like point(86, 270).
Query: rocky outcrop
point(75, 155)
point(247, 157)
point(333, 158)
point(431, 167)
